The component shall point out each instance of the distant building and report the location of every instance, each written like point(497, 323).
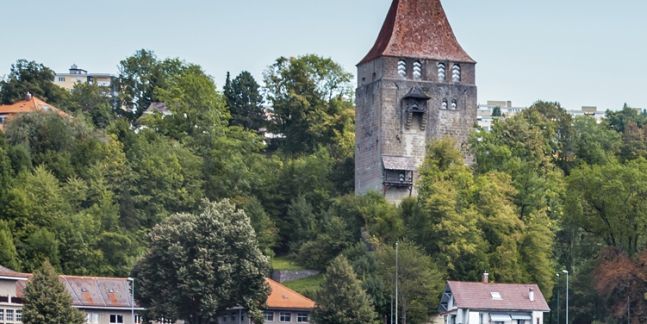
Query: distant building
point(29, 104)
point(492, 303)
point(103, 300)
point(284, 305)
point(590, 111)
point(158, 108)
point(76, 75)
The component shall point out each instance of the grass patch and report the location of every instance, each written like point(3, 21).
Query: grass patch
point(307, 286)
point(283, 263)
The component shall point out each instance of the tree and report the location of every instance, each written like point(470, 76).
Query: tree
point(420, 281)
point(312, 102)
point(8, 255)
point(496, 112)
point(245, 101)
point(341, 299)
point(47, 301)
point(139, 76)
point(30, 77)
point(91, 100)
point(201, 264)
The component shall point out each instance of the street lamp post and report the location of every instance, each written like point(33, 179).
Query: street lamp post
point(558, 305)
point(566, 272)
point(132, 298)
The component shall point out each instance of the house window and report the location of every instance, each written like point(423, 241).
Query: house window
point(402, 68)
point(285, 317)
point(9, 315)
point(456, 73)
point(268, 316)
point(1, 314)
point(233, 317)
point(116, 319)
point(417, 70)
point(442, 72)
point(92, 318)
point(302, 318)
point(454, 104)
point(19, 315)
point(61, 79)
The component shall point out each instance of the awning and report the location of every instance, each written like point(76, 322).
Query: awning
point(403, 163)
point(521, 316)
point(498, 317)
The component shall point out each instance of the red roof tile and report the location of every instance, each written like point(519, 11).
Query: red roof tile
point(417, 29)
point(282, 297)
point(32, 105)
point(514, 297)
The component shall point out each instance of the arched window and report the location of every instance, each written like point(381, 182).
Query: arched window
point(456, 73)
point(417, 70)
point(444, 105)
point(402, 68)
point(454, 104)
point(441, 72)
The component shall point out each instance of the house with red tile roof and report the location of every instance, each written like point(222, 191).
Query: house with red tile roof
point(28, 105)
point(492, 303)
point(283, 305)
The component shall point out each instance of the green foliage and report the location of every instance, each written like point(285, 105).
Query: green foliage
point(8, 255)
point(139, 76)
point(30, 77)
point(311, 98)
point(420, 282)
point(47, 301)
point(201, 264)
point(341, 299)
point(245, 101)
point(88, 99)
point(307, 286)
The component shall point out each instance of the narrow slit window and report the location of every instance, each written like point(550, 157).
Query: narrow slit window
point(454, 104)
point(444, 105)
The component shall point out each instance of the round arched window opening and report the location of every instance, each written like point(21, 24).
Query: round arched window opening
point(402, 68)
point(442, 72)
point(417, 70)
point(456, 73)
point(444, 104)
point(454, 104)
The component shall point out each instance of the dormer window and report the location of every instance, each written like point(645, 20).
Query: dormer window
point(444, 105)
point(402, 68)
point(456, 73)
point(417, 70)
point(442, 69)
point(454, 104)
point(496, 295)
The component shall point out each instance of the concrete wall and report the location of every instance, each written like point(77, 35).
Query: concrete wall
point(380, 120)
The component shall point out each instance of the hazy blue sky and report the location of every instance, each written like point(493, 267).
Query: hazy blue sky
point(578, 52)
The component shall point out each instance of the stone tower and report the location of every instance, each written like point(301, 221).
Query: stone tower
point(416, 85)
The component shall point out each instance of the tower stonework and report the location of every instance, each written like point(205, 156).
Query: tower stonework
point(416, 85)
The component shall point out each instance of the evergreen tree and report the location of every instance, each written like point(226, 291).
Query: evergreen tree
point(8, 255)
point(47, 301)
point(342, 300)
point(245, 101)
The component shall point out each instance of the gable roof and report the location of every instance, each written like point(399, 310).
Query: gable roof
point(282, 297)
point(31, 105)
point(514, 297)
point(417, 29)
point(86, 292)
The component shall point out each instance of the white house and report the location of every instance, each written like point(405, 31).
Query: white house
point(492, 303)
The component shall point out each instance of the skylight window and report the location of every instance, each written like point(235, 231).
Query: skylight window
point(496, 295)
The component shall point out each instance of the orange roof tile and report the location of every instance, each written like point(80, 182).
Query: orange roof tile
point(26, 106)
point(282, 297)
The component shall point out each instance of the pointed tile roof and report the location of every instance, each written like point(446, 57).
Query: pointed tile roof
point(512, 297)
point(282, 297)
point(417, 29)
point(32, 104)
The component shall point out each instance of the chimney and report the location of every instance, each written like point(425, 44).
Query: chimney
point(531, 295)
point(486, 277)
point(28, 96)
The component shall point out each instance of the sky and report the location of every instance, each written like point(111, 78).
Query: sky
point(576, 52)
